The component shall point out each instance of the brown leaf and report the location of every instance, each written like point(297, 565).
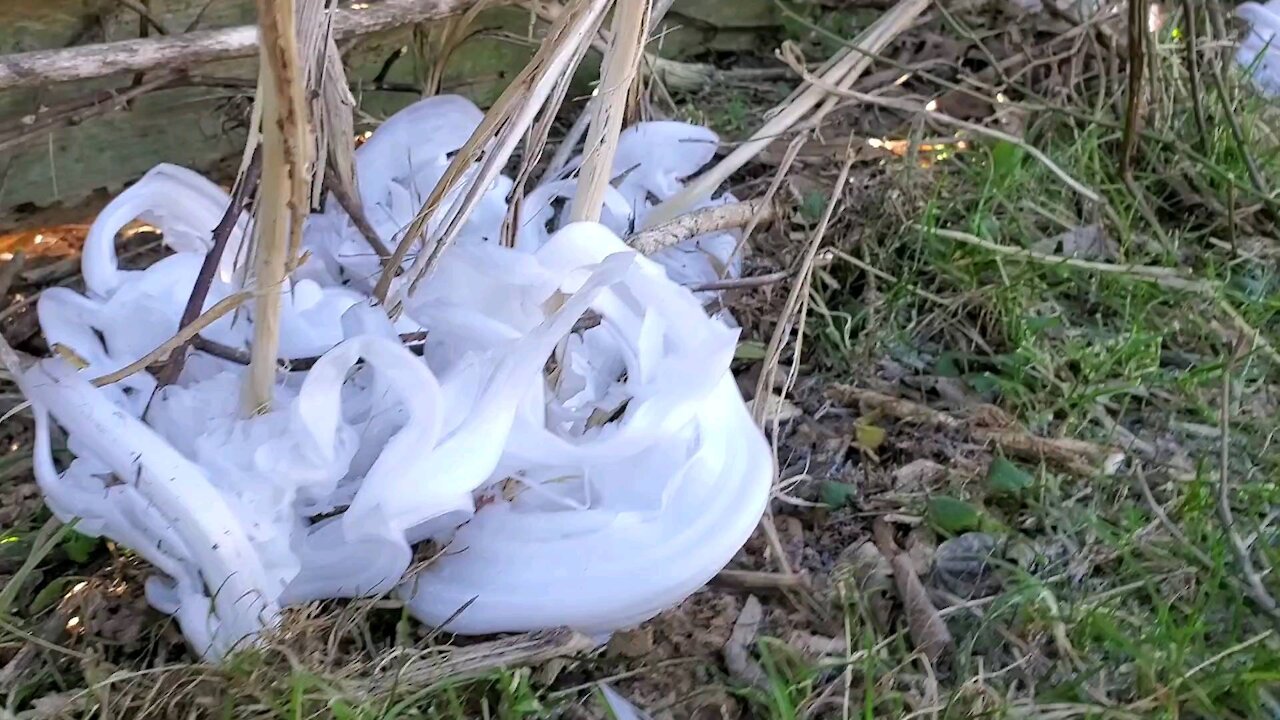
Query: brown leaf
point(962, 565)
point(737, 651)
point(1086, 242)
point(928, 630)
point(862, 573)
point(817, 647)
point(776, 409)
point(917, 475)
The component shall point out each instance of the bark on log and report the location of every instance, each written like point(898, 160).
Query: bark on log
point(172, 52)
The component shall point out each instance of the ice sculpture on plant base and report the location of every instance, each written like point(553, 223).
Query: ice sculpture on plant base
point(582, 477)
point(1257, 52)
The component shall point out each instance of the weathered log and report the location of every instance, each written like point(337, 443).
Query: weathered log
point(68, 146)
point(171, 52)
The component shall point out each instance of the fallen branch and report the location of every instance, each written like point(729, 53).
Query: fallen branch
point(100, 104)
point(172, 52)
point(1078, 457)
point(698, 222)
point(414, 341)
point(757, 580)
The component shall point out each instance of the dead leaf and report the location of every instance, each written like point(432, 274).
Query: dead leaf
point(962, 565)
point(1086, 242)
point(921, 546)
point(863, 573)
point(632, 643)
point(917, 475)
point(817, 647)
point(737, 651)
point(869, 437)
point(928, 630)
point(776, 409)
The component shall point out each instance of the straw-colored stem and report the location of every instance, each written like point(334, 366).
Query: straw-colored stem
point(620, 66)
point(494, 141)
point(283, 192)
point(843, 70)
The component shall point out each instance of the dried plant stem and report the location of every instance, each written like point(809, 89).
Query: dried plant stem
point(284, 189)
point(1193, 73)
point(1137, 27)
point(764, 212)
point(700, 222)
point(1163, 276)
point(621, 63)
point(842, 71)
point(245, 184)
point(184, 336)
point(494, 141)
point(350, 203)
point(1254, 586)
point(757, 580)
point(914, 107)
point(414, 341)
point(564, 151)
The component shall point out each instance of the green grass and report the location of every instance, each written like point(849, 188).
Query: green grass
point(1157, 633)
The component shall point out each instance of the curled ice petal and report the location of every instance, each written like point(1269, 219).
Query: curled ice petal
point(602, 569)
point(570, 388)
point(182, 204)
point(152, 491)
point(1257, 53)
point(425, 483)
point(614, 520)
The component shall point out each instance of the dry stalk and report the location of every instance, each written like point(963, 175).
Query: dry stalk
point(1254, 586)
point(842, 71)
point(246, 184)
point(792, 316)
point(700, 222)
point(184, 336)
point(1165, 277)
point(534, 146)
point(425, 669)
point(333, 112)
point(765, 213)
point(564, 151)
point(492, 143)
point(284, 190)
point(799, 291)
point(621, 63)
point(797, 65)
